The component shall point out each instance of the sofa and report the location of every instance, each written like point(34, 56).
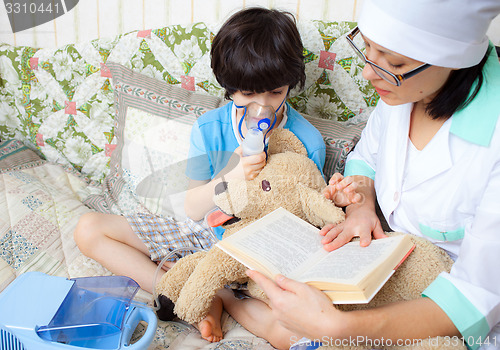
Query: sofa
point(104, 126)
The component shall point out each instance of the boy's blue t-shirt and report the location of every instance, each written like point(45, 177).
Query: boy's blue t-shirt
point(213, 142)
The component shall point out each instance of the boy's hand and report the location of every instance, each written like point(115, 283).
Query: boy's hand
point(251, 166)
point(342, 190)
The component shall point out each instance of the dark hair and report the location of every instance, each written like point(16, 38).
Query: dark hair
point(258, 50)
point(456, 92)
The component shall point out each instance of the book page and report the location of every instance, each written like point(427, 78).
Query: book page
point(281, 240)
point(350, 263)
point(360, 296)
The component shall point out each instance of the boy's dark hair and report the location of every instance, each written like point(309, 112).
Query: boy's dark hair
point(457, 92)
point(258, 50)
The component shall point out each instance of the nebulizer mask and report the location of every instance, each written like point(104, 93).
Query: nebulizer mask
point(259, 120)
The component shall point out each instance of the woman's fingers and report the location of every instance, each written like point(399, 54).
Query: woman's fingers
point(378, 232)
point(326, 229)
point(341, 239)
point(336, 237)
point(330, 232)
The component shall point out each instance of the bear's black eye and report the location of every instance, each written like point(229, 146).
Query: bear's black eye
point(266, 186)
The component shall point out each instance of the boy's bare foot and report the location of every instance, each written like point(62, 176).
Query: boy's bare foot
point(210, 327)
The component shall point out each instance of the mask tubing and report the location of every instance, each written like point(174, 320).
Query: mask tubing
point(192, 249)
point(241, 120)
point(159, 267)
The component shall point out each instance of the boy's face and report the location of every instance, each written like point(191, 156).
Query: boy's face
point(272, 98)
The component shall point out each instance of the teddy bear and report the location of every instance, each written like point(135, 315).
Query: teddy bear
point(290, 180)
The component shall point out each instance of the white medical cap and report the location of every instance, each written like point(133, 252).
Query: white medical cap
point(446, 33)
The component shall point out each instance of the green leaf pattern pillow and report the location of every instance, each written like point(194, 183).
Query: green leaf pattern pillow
point(60, 101)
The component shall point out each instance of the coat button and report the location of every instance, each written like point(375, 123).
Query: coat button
point(396, 196)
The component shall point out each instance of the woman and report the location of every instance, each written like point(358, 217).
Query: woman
point(430, 154)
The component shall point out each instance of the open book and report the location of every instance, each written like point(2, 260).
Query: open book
point(282, 243)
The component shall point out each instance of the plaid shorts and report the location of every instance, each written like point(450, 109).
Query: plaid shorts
point(162, 235)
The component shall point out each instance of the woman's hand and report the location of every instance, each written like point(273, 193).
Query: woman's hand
point(302, 309)
point(342, 190)
point(361, 220)
point(362, 223)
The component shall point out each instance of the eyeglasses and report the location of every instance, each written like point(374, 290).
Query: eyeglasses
point(394, 79)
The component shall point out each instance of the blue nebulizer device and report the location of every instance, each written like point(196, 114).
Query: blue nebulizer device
point(42, 312)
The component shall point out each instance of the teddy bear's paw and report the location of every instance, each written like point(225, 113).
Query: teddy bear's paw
point(166, 310)
point(191, 312)
point(256, 292)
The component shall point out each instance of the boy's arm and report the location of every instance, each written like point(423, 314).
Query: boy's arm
point(199, 197)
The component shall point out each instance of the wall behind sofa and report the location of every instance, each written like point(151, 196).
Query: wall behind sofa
point(92, 19)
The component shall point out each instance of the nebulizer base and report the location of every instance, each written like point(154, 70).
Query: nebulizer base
point(44, 312)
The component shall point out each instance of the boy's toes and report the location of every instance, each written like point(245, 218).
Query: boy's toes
point(205, 328)
point(210, 330)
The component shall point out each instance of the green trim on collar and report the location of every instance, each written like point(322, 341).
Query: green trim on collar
point(359, 167)
point(469, 321)
point(476, 122)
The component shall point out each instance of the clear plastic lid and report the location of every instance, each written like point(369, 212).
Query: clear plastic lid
point(94, 307)
point(259, 117)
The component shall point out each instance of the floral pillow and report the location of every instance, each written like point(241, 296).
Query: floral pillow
point(152, 129)
point(60, 101)
point(335, 88)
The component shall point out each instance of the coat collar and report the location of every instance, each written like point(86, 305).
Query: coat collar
point(476, 122)
point(433, 160)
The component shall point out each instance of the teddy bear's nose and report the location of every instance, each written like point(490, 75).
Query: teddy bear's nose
point(266, 186)
point(221, 187)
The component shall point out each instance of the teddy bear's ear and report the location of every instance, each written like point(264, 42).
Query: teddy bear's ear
point(283, 140)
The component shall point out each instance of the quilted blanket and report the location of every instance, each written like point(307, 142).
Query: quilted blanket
point(40, 204)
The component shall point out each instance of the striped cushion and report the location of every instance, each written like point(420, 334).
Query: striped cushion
point(152, 126)
point(14, 155)
point(340, 139)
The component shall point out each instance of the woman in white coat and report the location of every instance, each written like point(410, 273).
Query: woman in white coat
point(430, 154)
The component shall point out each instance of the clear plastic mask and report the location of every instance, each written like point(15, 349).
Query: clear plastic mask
point(259, 117)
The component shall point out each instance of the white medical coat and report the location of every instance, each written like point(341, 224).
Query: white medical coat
point(449, 194)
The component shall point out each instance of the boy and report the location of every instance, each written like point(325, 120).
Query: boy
point(257, 57)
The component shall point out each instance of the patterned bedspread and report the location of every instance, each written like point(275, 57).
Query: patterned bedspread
point(40, 204)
